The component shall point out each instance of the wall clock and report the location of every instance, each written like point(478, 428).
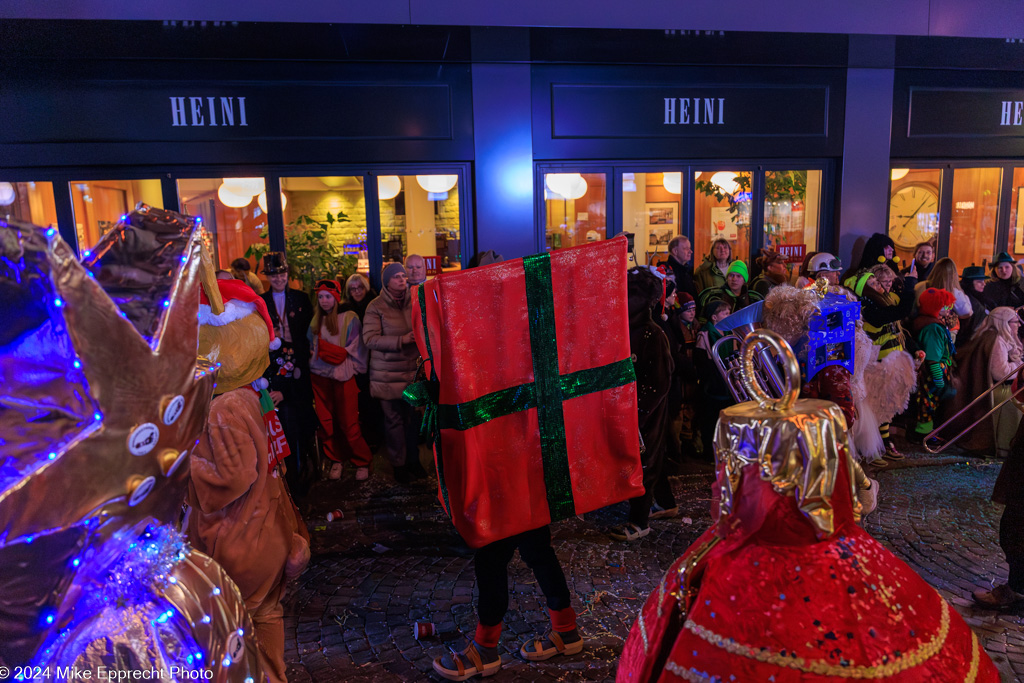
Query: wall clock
point(913, 215)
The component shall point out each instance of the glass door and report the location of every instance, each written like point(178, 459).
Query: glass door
point(99, 204)
point(652, 209)
point(421, 222)
point(30, 202)
point(722, 211)
point(575, 208)
point(792, 212)
point(914, 209)
point(234, 217)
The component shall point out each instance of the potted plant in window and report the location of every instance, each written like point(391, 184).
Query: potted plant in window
point(311, 255)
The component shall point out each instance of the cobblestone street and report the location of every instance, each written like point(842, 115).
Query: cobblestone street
point(394, 560)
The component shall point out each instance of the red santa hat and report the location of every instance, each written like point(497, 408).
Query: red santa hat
point(239, 301)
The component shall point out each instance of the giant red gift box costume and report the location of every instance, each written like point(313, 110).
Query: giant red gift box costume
point(531, 397)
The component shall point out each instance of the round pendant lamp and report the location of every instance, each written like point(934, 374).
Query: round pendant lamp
point(567, 185)
point(388, 186)
point(437, 183)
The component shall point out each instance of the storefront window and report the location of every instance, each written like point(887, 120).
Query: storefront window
point(972, 235)
point(576, 207)
point(325, 226)
point(721, 209)
point(234, 217)
point(1016, 246)
point(30, 202)
point(914, 209)
point(651, 210)
point(419, 214)
point(792, 209)
point(99, 205)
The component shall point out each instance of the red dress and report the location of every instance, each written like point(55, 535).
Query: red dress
point(776, 601)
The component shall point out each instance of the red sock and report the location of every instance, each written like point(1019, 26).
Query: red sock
point(563, 620)
point(487, 636)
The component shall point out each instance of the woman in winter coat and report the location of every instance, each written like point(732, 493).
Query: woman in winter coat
point(653, 365)
point(711, 273)
point(358, 294)
point(338, 354)
point(989, 357)
point(1004, 288)
point(973, 283)
point(387, 332)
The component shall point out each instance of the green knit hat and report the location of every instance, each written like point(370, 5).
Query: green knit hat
point(739, 267)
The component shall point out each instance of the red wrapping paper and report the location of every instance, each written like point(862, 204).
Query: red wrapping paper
point(479, 333)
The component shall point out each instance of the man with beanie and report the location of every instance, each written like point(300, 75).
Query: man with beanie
point(289, 376)
point(935, 381)
point(387, 332)
point(734, 292)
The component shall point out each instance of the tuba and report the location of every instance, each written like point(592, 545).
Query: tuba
point(727, 354)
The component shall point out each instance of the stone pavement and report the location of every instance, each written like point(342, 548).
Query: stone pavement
point(394, 560)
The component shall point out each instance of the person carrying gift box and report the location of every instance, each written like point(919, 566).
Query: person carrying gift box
point(338, 354)
point(531, 411)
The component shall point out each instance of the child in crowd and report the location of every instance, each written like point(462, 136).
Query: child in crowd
point(935, 382)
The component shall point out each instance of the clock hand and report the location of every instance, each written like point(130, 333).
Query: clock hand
point(915, 212)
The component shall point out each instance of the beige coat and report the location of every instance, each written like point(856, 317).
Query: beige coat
point(392, 363)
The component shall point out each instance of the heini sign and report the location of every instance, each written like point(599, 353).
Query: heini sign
point(1013, 114)
point(199, 113)
point(692, 116)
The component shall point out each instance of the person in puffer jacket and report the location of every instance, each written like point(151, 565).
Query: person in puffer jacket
point(387, 332)
point(338, 354)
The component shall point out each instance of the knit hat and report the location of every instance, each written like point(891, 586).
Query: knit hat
point(686, 301)
point(329, 286)
point(974, 273)
point(389, 271)
point(740, 268)
point(1002, 258)
point(933, 300)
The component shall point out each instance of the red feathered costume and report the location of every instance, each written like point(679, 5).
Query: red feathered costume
point(786, 586)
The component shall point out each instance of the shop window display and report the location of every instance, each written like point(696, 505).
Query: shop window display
point(972, 233)
point(792, 209)
point(722, 210)
point(234, 217)
point(576, 208)
point(31, 202)
point(419, 214)
point(914, 209)
point(651, 210)
point(99, 205)
point(1016, 246)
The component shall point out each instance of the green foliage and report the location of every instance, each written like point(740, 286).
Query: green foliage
point(778, 186)
point(311, 255)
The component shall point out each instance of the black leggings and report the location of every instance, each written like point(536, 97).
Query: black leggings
point(491, 565)
point(1011, 540)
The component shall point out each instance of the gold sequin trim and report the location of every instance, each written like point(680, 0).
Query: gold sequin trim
point(880, 670)
point(972, 673)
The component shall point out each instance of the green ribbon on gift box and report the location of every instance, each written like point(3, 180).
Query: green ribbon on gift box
point(546, 393)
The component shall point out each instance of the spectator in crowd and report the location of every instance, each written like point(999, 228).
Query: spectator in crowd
point(387, 332)
point(680, 253)
point(1004, 288)
point(972, 282)
point(881, 310)
point(735, 291)
point(803, 278)
point(714, 391)
point(924, 259)
point(944, 276)
point(711, 273)
point(653, 365)
point(879, 249)
point(416, 267)
point(935, 384)
point(224, 275)
point(338, 354)
point(1008, 492)
point(241, 270)
point(992, 354)
point(290, 387)
point(688, 433)
point(358, 294)
point(484, 258)
point(773, 272)
point(824, 264)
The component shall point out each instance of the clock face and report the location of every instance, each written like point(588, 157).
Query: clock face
point(913, 215)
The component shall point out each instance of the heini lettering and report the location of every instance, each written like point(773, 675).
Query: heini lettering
point(196, 112)
point(703, 110)
point(1013, 114)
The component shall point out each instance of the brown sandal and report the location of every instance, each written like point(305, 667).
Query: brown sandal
point(461, 672)
point(558, 647)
